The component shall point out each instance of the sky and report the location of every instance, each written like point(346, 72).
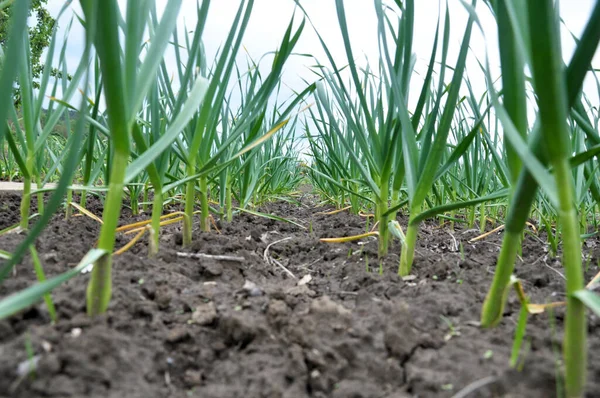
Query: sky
point(270, 18)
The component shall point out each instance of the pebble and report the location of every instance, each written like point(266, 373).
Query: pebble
point(204, 314)
point(177, 335)
point(325, 305)
point(252, 289)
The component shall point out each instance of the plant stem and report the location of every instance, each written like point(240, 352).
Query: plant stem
point(204, 215)
point(145, 199)
point(83, 199)
point(40, 196)
point(26, 199)
point(189, 206)
point(574, 345)
point(472, 218)
point(493, 306)
point(190, 194)
point(25, 203)
point(228, 205)
point(482, 218)
point(354, 201)
point(41, 277)
point(133, 201)
point(517, 213)
point(99, 289)
point(382, 207)
point(157, 205)
point(69, 210)
point(408, 249)
point(395, 201)
point(519, 336)
point(554, 99)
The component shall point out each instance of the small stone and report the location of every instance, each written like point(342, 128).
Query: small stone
point(178, 335)
point(28, 365)
point(76, 332)
point(212, 268)
point(204, 314)
point(317, 382)
point(51, 258)
point(193, 377)
point(264, 238)
point(46, 346)
point(206, 290)
point(305, 280)
point(315, 358)
point(324, 305)
point(252, 289)
point(277, 308)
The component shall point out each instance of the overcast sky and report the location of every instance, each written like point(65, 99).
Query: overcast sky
point(271, 17)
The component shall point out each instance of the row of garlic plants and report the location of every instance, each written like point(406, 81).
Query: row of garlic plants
point(158, 139)
point(470, 159)
point(216, 137)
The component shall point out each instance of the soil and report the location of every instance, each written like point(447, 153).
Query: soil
point(207, 327)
